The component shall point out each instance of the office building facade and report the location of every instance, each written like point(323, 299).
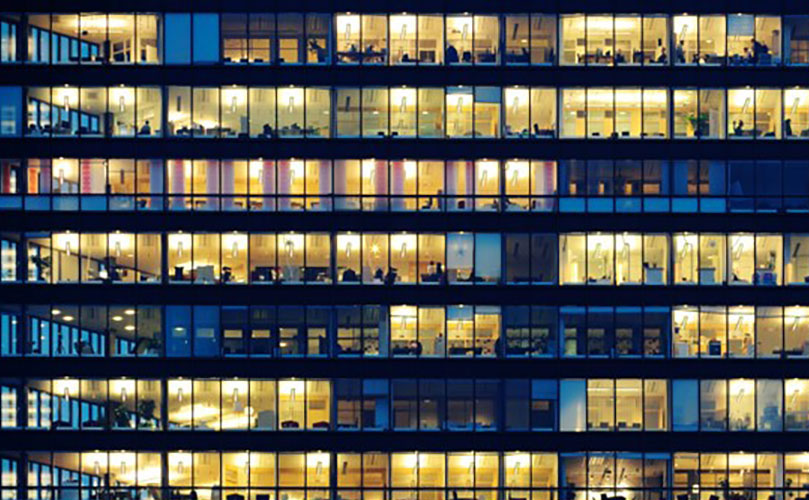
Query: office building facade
point(455, 251)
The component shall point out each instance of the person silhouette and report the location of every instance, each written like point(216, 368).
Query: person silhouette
point(452, 54)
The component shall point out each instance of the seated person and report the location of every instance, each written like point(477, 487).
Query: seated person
point(451, 54)
point(349, 275)
point(227, 274)
point(379, 275)
point(319, 51)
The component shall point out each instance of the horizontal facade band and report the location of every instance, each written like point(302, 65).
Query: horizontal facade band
point(386, 367)
point(422, 222)
point(399, 294)
point(390, 441)
point(403, 75)
point(402, 148)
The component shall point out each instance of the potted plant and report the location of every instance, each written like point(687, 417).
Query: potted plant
point(699, 124)
point(120, 416)
point(146, 408)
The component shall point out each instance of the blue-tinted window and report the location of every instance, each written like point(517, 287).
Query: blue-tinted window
point(375, 404)
point(178, 326)
point(206, 38)
point(206, 331)
point(516, 404)
point(8, 42)
point(10, 111)
point(487, 257)
point(796, 185)
point(573, 405)
point(178, 38)
point(544, 400)
point(684, 405)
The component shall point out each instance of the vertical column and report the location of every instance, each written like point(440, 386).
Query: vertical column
point(155, 184)
point(452, 185)
point(22, 476)
point(380, 184)
point(543, 179)
point(164, 464)
point(324, 184)
point(22, 39)
point(680, 181)
point(469, 181)
point(228, 184)
point(177, 169)
point(23, 333)
point(22, 276)
point(212, 183)
point(341, 186)
point(22, 404)
point(284, 184)
point(45, 180)
point(779, 474)
point(384, 331)
point(716, 178)
point(5, 183)
point(267, 176)
point(164, 269)
point(397, 185)
point(665, 178)
point(22, 178)
point(164, 403)
point(86, 177)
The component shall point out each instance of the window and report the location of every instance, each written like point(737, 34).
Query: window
point(178, 38)
point(206, 38)
point(796, 40)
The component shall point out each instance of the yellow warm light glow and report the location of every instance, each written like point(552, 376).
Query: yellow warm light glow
point(348, 27)
point(177, 386)
point(517, 460)
point(61, 241)
point(69, 387)
point(290, 244)
point(231, 242)
point(176, 241)
point(122, 387)
point(403, 25)
point(233, 388)
point(123, 467)
point(99, 22)
point(741, 460)
point(518, 97)
point(121, 95)
point(315, 459)
point(369, 168)
point(399, 96)
point(296, 169)
point(231, 96)
point(199, 412)
point(290, 97)
point(65, 95)
point(401, 244)
point(123, 242)
point(410, 169)
point(286, 387)
point(403, 311)
point(793, 387)
point(348, 245)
